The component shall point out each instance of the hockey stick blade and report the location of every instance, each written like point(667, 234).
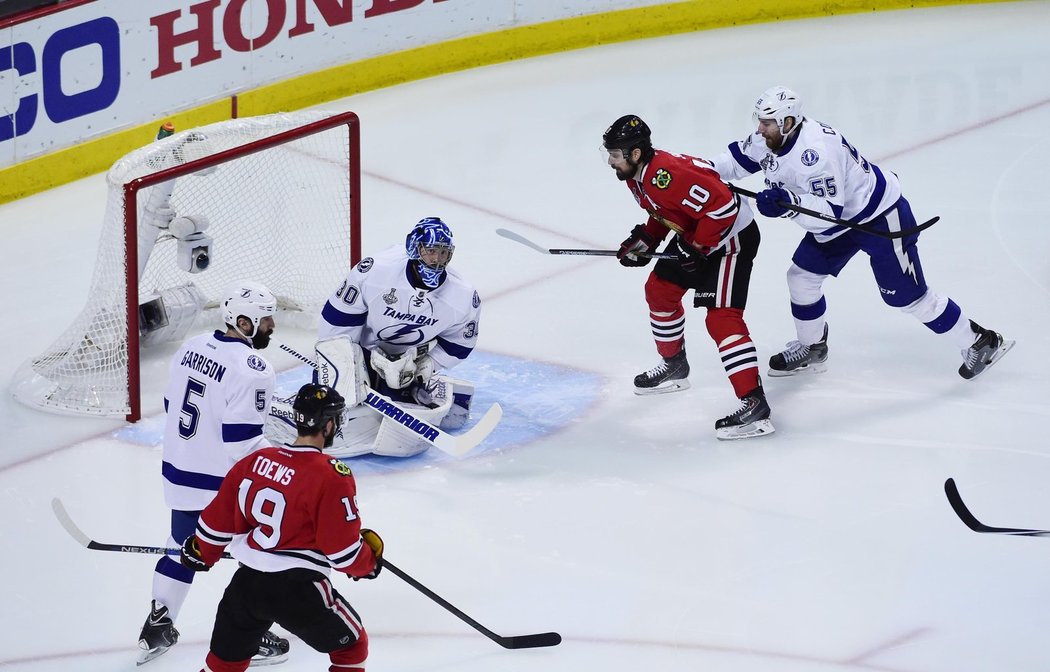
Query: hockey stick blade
point(968, 519)
point(87, 542)
point(510, 235)
point(456, 445)
point(515, 642)
point(578, 252)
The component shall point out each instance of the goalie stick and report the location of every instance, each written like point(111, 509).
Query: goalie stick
point(456, 445)
point(514, 642)
point(841, 222)
point(968, 519)
point(517, 238)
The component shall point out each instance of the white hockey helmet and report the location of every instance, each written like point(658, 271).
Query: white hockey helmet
point(249, 299)
point(778, 103)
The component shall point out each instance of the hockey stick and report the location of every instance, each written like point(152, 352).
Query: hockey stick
point(88, 542)
point(510, 235)
point(892, 235)
point(456, 445)
point(516, 642)
point(971, 521)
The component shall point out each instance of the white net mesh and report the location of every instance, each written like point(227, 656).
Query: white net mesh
point(280, 216)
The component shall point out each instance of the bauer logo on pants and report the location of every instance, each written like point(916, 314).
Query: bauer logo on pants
point(399, 416)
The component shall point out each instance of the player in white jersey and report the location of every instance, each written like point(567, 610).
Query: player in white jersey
point(809, 164)
point(407, 316)
point(215, 405)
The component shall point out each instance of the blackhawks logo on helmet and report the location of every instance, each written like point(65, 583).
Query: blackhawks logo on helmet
point(662, 179)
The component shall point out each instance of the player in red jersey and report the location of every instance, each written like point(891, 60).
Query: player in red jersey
point(715, 243)
point(295, 510)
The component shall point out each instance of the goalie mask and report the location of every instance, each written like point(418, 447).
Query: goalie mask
point(252, 301)
point(430, 246)
point(314, 406)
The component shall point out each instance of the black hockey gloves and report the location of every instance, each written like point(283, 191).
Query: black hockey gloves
point(639, 241)
point(191, 555)
point(689, 258)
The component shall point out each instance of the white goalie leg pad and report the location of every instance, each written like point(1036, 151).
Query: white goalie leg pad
point(357, 434)
point(168, 315)
point(396, 440)
point(341, 365)
point(433, 393)
point(280, 423)
point(462, 397)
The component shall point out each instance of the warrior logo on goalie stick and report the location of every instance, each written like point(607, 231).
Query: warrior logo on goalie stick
point(397, 415)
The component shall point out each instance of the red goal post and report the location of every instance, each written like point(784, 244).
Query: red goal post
point(272, 199)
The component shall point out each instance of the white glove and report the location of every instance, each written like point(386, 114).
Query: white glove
point(425, 369)
point(397, 371)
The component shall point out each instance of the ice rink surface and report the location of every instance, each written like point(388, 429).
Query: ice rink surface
point(616, 520)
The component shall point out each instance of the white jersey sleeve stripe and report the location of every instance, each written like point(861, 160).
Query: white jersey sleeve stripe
point(871, 209)
point(744, 161)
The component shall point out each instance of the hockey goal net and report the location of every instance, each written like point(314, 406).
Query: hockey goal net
point(271, 199)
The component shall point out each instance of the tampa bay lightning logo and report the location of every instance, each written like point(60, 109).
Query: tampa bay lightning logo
point(366, 265)
point(810, 157)
point(401, 334)
point(769, 163)
point(256, 362)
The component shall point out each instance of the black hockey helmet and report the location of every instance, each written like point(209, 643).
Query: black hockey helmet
point(627, 133)
point(315, 405)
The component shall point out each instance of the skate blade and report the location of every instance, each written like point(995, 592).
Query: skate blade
point(263, 661)
point(757, 428)
point(816, 367)
point(1003, 349)
point(145, 655)
point(663, 388)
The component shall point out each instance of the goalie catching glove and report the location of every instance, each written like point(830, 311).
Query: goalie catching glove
point(397, 371)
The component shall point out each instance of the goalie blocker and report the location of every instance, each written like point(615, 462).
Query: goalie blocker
point(342, 364)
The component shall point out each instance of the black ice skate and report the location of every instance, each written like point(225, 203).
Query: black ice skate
point(669, 375)
point(751, 419)
point(799, 358)
point(158, 634)
point(272, 650)
point(987, 349)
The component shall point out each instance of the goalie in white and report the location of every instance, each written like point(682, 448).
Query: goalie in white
point(399, 319)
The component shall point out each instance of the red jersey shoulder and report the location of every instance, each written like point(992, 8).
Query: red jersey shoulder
point(669, 172)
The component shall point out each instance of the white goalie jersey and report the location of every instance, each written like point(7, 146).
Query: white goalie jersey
point(378, 307)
